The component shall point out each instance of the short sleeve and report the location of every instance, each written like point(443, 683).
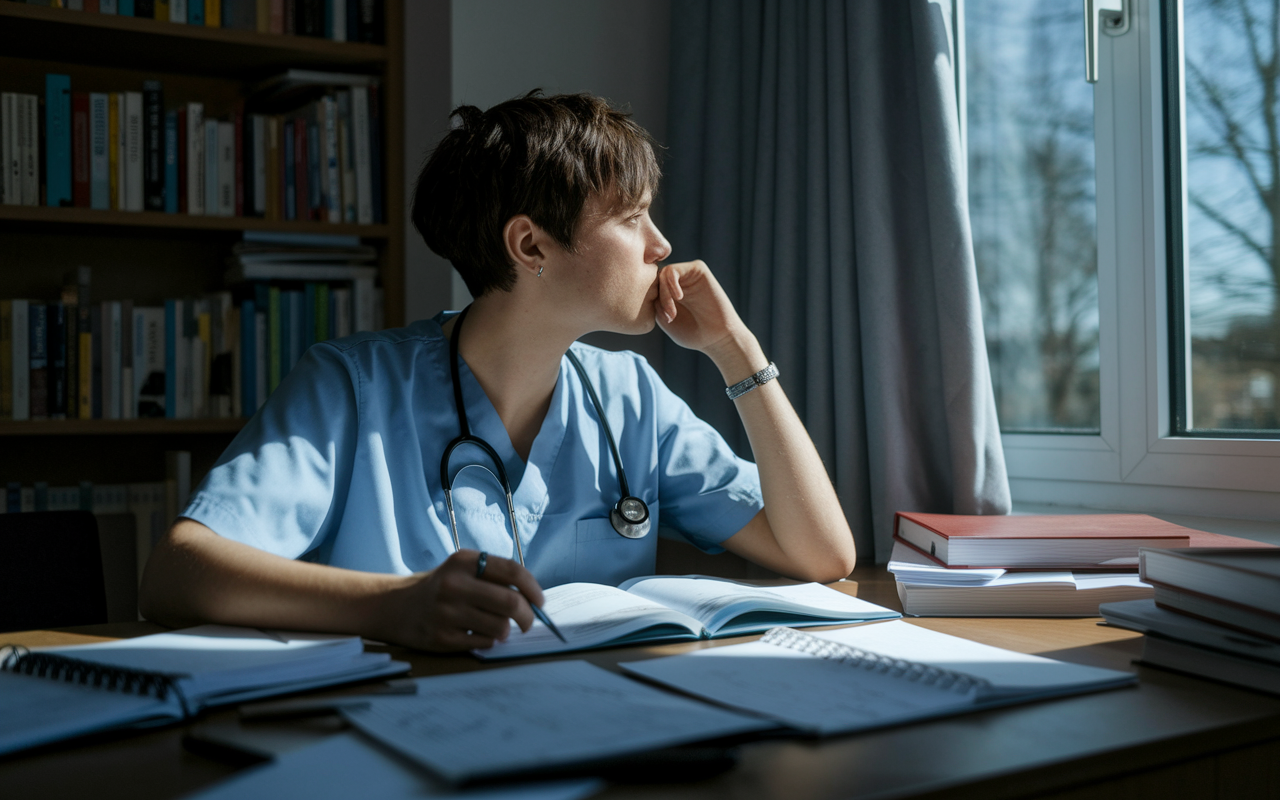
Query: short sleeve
point(707, 492)
point(280, 484)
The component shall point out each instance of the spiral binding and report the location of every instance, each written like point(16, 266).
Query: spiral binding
point(18, 659)
point(914, 671)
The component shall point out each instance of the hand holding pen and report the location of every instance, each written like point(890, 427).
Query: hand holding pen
point(482, 564)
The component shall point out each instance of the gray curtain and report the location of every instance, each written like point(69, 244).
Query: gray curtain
point(814, 162)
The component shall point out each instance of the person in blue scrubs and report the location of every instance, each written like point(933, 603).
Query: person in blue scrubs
point(328, 511)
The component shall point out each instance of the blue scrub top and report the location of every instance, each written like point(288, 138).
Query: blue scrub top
point(342, 466)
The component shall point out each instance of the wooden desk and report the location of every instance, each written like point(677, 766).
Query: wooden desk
point(1170, 736)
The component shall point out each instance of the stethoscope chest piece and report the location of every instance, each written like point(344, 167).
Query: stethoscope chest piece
point(630, 517)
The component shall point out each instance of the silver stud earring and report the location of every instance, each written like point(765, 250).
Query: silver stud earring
point(540, 266)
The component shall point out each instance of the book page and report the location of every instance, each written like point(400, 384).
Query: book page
point(502, 721)
point(590, 615)
point(715, 602)
point(1009, 673)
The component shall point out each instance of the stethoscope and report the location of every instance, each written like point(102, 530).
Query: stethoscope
point(630, 517)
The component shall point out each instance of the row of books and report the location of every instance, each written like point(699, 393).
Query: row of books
point(339, 20)
point(948, 565)
point(320, 158)
point(216, 356)
point(1215, 613)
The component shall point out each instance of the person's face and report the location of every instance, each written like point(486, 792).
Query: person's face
point(612, 280)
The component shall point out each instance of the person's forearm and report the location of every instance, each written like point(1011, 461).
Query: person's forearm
point(800, 504)
point(195, 576)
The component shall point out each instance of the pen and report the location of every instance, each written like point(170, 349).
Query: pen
point(542, 615)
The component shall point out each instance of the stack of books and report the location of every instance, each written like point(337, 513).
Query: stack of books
point(1215, 613)
point(948, 565)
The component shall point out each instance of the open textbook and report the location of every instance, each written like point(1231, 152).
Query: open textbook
point(665, 608)
point(57, 693)
point(870, 676)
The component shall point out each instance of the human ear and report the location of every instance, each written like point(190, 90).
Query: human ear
point(525, 243)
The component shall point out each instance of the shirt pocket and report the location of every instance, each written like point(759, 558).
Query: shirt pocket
point(602, 555)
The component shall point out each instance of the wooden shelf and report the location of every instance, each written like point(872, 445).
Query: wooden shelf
point(108, 427)
point(87, 38)
point(88, 217)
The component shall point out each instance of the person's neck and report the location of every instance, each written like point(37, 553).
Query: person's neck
point(514, 354)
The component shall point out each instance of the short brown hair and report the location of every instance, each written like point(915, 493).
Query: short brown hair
point(535, 155)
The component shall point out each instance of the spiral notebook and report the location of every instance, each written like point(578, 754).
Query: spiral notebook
point(52, 694)
point(868, 676)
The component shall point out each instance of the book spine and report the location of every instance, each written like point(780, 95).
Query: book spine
point(213, 13)
point(362, 298)
point(108, 7)
point(38, 363)
point(183, 160)
point(6, 359)
point(238, 147)
point(153, 131)
point(150, 361)
point(84, 348)
point(56, 343)
point(112, 363)
point(8, 194)
point(115, 151)
point(331, 158)
point(195, 158)
point(262, 19)
point(275, 332)
point(195, 12)
point(360, 136)
point(290, 189)
point(30, 150)
point(161, 9)
point(345, 157)
point(338, 13)
point(226, 169)
point(80, 149)
point(321, 313)
point(171, 162)
point(375, 154)
point(259, 165)
point(308, 328)
point(211, 160)
point(353, 20)
point(273, 168)
point(248, 358)
point(144, 8)
point(125, 8)
point(172, 317)
point(71, 343)
point(128, 398)
point(135, 188)
point(99, 156)
point(314, 199)
point(302, 201)
point(57, 105)
point(20, 315)
point(178, 14)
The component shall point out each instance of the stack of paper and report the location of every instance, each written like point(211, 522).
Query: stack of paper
point(927, 589)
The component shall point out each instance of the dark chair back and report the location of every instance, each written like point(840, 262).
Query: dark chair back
point(50, 571)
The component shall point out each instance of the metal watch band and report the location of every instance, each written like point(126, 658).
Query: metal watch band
point(759, 379)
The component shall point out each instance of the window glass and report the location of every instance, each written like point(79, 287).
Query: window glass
point(1032, 205)
point(1233, 214)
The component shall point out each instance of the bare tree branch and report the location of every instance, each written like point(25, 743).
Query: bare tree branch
point(1231, 131)
point(1231, 227)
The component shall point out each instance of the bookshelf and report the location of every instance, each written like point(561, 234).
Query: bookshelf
point(149, 256)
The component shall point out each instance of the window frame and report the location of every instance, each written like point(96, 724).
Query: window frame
point(1137, 462)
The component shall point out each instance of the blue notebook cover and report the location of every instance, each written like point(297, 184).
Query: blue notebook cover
point(248, 359)
point(171, 162)
point(57, 108)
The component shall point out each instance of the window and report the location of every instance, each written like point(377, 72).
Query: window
point(1125, 238)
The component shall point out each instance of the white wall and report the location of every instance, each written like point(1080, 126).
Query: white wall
point(617, 50)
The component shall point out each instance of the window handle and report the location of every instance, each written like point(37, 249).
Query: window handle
point(1107, 16)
